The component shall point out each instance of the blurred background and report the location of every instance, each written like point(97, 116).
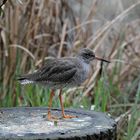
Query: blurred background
point(31, 31)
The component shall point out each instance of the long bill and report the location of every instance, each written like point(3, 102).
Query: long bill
point(101, 59)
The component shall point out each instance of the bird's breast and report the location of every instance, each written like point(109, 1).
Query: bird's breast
point(82, 73)
point(85, 71)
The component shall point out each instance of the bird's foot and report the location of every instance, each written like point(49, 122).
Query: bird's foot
point(52, 118)
point(69, 116)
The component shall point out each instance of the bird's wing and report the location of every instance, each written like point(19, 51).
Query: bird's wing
point(57, 71)
point(37, 74)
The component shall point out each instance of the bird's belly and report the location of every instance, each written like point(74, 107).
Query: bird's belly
point(52, 85)
point(74, 82)
point(79, 78)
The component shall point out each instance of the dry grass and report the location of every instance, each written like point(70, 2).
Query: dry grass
point(32, 31)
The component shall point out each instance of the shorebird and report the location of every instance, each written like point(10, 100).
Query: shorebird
point(59, 73)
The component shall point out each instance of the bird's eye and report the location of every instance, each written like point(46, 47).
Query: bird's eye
point(91, 55)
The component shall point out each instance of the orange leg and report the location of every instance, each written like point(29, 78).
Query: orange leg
point(50, 105)
point(62, 107)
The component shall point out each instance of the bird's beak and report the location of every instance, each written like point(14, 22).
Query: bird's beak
point(101, 59)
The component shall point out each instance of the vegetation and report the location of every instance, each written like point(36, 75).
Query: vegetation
point(31, 31)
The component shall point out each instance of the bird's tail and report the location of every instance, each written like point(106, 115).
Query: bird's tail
point(24, 80)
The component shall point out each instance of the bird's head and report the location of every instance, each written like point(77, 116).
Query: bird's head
point(88, 55)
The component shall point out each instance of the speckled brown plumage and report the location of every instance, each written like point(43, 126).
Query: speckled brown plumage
point(63, 72)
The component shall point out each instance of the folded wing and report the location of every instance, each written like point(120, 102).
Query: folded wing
point(56, 71)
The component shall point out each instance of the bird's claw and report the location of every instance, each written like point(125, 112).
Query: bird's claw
point(69, 116)
point(52, 118)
